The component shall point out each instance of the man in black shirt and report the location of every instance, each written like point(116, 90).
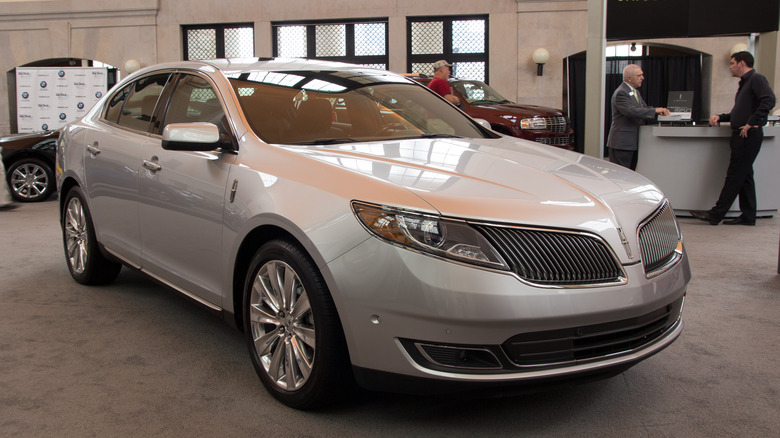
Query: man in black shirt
point(751, 108)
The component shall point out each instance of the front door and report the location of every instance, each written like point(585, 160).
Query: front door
point(181, 199)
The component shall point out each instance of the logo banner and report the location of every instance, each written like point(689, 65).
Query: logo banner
point(48, 98)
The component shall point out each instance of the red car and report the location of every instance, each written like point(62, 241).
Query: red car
point(536, 123)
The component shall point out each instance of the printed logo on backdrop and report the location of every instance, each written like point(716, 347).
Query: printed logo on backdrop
point(51, 97)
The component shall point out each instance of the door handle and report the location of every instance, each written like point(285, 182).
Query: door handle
point(151, 165)
point(93, 149)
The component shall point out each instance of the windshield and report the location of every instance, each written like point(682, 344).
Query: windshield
point(478, 92)
point(316, 107)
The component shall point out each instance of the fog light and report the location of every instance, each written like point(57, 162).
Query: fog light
point(459, 357)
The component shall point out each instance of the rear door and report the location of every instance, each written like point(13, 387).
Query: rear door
point(113, 161)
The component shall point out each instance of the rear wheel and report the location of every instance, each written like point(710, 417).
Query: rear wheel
point(31, 180)
point(87, 265)
point(293, 331)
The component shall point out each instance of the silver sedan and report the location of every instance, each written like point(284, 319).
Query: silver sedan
point(358, 228)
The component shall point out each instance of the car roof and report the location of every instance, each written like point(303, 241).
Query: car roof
point(234, 66)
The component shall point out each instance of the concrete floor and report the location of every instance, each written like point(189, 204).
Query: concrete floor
point(135, 359)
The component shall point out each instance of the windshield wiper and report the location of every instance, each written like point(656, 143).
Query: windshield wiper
point(324, 141)
point(482, 102)
point(431, 135)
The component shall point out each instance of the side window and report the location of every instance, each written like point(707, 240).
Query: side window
point(114, 108)
point(194, 100)
point(140, 102)
point(471, 91)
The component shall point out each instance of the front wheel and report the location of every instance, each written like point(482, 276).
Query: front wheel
point(87, 265)
point(292, 328)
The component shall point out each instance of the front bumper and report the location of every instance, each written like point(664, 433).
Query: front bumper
point(403, 312)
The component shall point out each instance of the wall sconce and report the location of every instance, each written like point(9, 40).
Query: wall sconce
point(739, 47)
point(540, 57)
point(132, 65)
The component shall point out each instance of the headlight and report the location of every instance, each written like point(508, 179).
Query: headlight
point(533, 123)
point(430, 234)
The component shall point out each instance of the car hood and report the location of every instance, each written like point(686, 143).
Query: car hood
point(522, 110)
point(503, 180)
point(21, 141)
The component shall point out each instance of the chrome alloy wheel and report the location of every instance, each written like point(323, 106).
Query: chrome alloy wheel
point(76, 236)
point(29, 181)
point(282, 325)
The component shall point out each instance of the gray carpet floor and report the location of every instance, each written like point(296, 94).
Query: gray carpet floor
point(135, 359)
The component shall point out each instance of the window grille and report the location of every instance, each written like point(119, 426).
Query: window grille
point(370, 39)
point(468, 36)
point(330, 40)
point(362, 42)
point(218, 41)
point(471, 70)
point(427, 38)
point(239, 42)
point(292, 42)
point(461, 40)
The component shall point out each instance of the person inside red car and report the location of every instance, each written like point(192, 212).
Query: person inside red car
point(439, 83)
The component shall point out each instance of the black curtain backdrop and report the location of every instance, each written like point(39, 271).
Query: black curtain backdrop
point(577, 99)
point(662, 75)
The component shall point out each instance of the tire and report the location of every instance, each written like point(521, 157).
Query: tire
point(292, 328)
point(31, 180)
point(87, 265)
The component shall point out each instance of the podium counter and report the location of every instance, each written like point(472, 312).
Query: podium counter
point(689, 164)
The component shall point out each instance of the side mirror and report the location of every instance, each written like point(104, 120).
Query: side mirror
point(190, 137)
point(484, 123)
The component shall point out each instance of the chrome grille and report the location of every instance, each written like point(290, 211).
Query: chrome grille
point(557, 125)
point(555, 258)
point(557, 141)
point(581, 343)
point(659, 238)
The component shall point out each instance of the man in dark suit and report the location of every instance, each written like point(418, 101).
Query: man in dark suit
point(629, 111)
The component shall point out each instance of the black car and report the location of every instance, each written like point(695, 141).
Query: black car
point(29, 164)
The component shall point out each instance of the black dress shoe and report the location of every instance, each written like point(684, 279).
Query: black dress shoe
point(8, 207)
point(704, 216)
point(739, 221)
